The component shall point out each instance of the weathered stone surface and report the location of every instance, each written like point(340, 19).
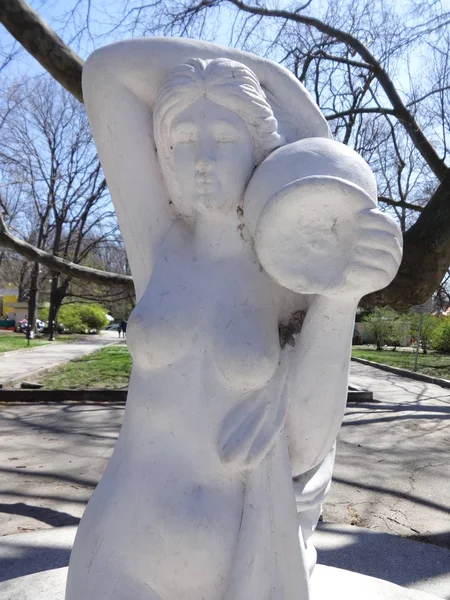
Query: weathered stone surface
point(198, 500)
point(326, 582)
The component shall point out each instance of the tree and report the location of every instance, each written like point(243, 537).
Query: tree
point(355, 57)
point(440, 339)
point(50, 164)
point(380, 326)
point(83, 317)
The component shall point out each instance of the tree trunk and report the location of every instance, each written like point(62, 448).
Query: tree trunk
point(57, 295)
point(33, 301)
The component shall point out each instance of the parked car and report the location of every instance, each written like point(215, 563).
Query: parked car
point(22, 326)
point(60, 328)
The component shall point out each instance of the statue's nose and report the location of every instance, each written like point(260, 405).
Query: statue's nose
point(205, 156)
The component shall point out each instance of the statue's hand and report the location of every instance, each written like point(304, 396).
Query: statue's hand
point(251, 428)
point(324, 235)
point(376, 256)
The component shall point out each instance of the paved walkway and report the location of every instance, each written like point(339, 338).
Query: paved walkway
point(392, 474)
point(21, 364)
point(392, 469)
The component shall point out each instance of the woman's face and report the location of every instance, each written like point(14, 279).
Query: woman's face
point(213, 157)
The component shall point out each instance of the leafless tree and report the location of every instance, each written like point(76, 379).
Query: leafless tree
point(52, 168)
point(379, 74)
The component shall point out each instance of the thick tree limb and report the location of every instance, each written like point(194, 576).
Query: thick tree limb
point(426, 255)
point(33, 33)
point(7, 240)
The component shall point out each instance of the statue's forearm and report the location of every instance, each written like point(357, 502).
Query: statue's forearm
point(318, 380)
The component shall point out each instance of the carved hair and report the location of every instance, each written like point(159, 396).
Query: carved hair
point(226, 82)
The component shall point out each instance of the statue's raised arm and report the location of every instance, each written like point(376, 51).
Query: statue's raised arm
point(121, 83)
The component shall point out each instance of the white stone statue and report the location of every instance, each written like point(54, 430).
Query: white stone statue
point(247, 284)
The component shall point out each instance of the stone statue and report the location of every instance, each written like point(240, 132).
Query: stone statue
point(251, 237)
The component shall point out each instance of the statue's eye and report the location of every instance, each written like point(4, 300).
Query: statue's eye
point(225, 133)
point(226, 139)
point(183, 134)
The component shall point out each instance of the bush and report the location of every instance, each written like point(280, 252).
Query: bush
point(382, 326)
point(83, 318)
point(400, 332)
point(440, 338)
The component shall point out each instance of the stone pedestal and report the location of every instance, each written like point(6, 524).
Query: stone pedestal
point(327, 582)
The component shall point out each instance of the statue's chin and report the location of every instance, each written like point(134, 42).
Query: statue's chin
point(210, 203)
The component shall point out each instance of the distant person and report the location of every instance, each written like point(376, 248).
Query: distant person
point(119, 329)
point(123, 328)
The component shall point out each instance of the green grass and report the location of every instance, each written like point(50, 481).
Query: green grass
point(18, 341)
point(109, 368)
point(436, 365)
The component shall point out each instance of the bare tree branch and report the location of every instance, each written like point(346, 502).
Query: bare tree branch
point(30, 30)
point(430, 93)
point(360, 111)
point(408, 205)
point(427, 243)
point(54, 263)
point(346, 61)
point(423, 145)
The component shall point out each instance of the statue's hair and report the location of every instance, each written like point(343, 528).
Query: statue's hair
point(226, 82)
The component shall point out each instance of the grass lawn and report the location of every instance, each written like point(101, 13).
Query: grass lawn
point(18, 341)
point(109, 368)
point(437, 365)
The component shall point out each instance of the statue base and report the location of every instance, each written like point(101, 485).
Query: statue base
point(327, 582)
point(33, 565)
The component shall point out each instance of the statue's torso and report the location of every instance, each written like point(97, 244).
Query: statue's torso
point(219, 316)
point(204, 337)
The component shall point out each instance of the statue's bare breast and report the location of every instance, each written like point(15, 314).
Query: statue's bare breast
point(202, 312)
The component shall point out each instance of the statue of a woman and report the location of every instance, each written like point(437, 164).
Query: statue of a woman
point(242, 331)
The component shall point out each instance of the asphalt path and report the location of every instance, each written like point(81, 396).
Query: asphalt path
point(20, 364)
point(392, 476)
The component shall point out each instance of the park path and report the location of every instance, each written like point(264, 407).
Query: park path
point(392, 469)
point(21, 364)
point(392, 476)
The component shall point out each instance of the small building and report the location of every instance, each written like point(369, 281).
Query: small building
point(8, 298)
point(12, 311)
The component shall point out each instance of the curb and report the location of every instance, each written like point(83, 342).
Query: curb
point(52, 396)
point(355, 394)
point(445, 383)
point(112, 396)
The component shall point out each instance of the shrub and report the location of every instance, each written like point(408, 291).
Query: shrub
point(382, 327)
point(400, 331)
point(82, 318)
point(440, 338)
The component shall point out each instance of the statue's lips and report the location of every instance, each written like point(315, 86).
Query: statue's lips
point(206, 185)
